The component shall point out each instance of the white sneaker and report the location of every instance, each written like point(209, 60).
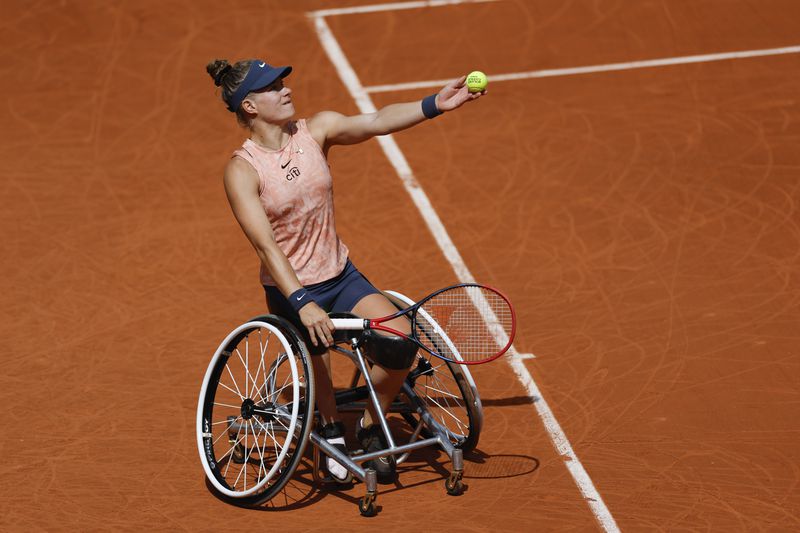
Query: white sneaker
point(333, 433)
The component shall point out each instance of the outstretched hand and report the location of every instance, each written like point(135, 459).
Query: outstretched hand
point(455, 94)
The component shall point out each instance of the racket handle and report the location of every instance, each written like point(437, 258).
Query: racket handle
point(349, 323)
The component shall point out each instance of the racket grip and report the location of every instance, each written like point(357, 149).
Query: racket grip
point(349, 323)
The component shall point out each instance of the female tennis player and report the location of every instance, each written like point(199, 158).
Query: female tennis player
point(279, 187)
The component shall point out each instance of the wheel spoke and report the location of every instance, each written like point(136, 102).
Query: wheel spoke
point(230, 451)
point(264, 346)
point(270, 382)
point(233, 391)
point(248, 376)
point(246, 457)
point(458, 405)
point(239, 476)
point(279, 421)
point(264, 397)
point(443, 409)
point(447, 402)
point(439, 368)
point(283, 386)
point(224, 421)
point(247, 373)
point(239, 392)
point(256, 388)
point(255, 446)
point(228, 405)
point(446, 393)
point(239, 355)
point(260, 455)
point(225, 433)
point(275, 444)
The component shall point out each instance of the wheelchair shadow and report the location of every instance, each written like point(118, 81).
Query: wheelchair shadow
point(477, 465)
point(505, 402)
point(299, 492)
point(431, 464)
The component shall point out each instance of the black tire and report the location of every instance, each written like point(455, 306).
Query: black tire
point(255, 410)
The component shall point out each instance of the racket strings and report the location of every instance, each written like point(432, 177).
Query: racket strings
point(470, 323)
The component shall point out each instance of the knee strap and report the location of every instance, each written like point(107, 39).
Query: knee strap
point(392, 352)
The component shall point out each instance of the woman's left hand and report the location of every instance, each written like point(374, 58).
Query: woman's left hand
point(455, 94)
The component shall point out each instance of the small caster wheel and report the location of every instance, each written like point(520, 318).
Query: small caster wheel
point(366, 506)
point(454, 486)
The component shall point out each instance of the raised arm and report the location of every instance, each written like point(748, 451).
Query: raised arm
point(241, 187)
point(330, 128)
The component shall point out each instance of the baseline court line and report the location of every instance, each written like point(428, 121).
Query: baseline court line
point(629, 65)
point(397, 6)
point(420, 199)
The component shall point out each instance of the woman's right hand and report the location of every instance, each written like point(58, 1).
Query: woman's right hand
point(320, 327)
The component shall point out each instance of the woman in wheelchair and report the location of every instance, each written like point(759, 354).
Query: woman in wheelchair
point(279, 187)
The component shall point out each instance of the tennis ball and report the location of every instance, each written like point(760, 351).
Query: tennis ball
point(476, 81)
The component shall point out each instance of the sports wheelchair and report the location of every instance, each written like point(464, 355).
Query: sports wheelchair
point(256, 411)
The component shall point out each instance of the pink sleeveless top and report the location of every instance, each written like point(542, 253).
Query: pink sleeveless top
point(296, 190)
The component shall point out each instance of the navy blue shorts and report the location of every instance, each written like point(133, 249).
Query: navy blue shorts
point(339, 294)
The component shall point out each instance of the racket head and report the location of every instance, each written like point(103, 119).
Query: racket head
point(468, 324)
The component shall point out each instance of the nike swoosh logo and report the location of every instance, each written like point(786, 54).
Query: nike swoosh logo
point(262, 65)
point(301, 297)
point(287, 164)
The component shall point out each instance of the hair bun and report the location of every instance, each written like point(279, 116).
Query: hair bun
point(221, 74)
point(217, 70)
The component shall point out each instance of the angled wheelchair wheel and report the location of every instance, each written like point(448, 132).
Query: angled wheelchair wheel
point(445, 390)
point(255, 410)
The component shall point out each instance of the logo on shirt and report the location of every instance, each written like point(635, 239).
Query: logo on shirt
point(286, 164)
point(294, 172)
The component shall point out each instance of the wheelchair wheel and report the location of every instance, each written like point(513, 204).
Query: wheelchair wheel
point(446, 390)
point(255, 410)
point(443, 389)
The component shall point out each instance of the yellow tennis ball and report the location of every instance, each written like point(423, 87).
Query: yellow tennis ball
point(476, 81)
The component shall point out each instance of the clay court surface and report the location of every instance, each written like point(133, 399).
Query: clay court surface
point(644, 221)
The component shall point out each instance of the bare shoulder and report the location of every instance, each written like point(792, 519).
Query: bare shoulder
point(321, 124)
point(239, 174)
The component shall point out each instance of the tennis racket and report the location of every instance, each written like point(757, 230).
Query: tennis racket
point(468, 324)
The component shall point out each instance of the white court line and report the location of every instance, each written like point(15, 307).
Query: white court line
point(401, 166)
point(548, 73)
point(396, 6)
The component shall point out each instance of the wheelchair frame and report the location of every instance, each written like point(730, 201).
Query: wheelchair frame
point(259, 410)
